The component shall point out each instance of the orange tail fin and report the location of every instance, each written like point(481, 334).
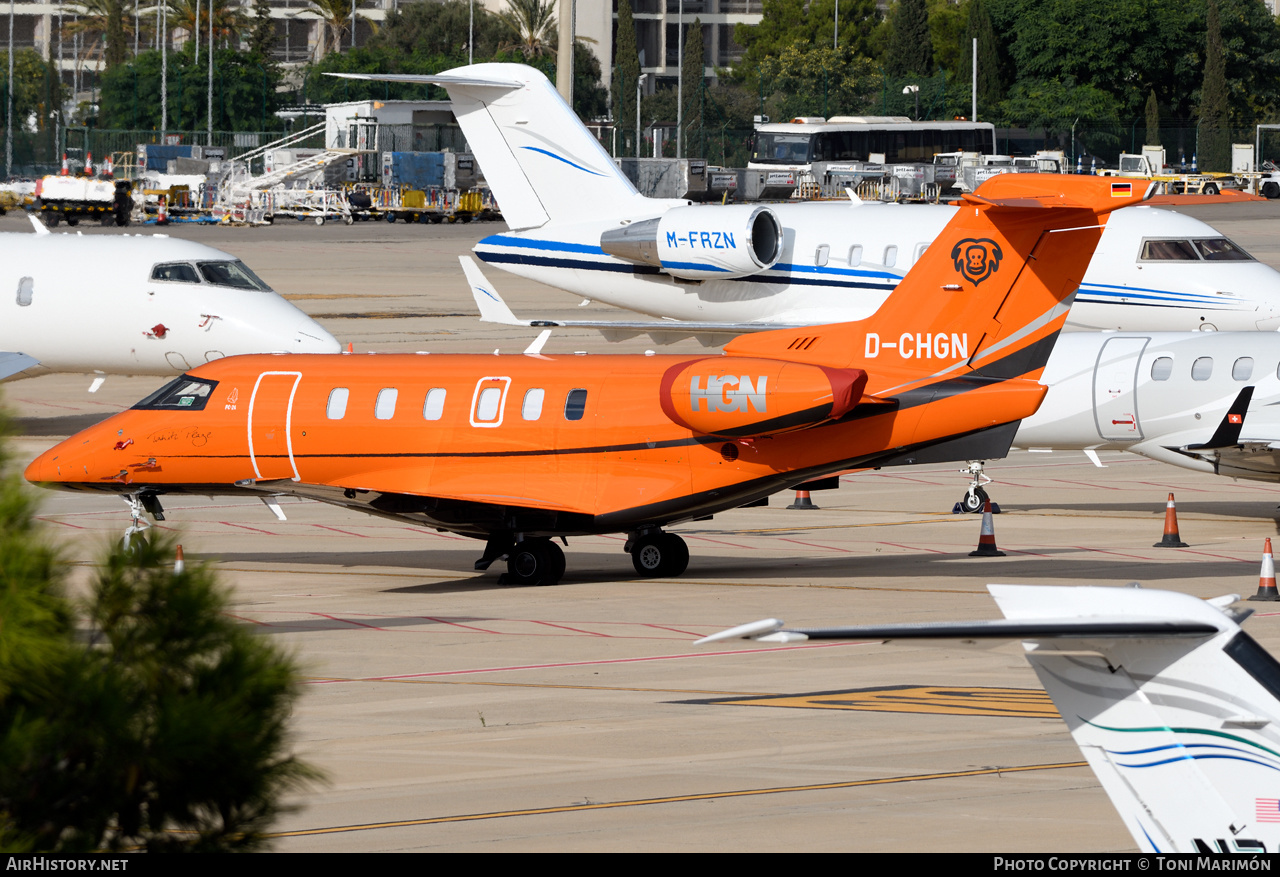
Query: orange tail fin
point(988, 296)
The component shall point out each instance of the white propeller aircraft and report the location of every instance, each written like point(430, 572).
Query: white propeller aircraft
point(136, 305)
point(1172, 704)
point(578, 224)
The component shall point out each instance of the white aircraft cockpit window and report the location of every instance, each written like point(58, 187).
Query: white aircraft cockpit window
point(855, 255)
point(1221, 250)
point(531, 409)
point(1168, 251)
point(1202, 368)
point(385, 407)
point(175, 272)
point(575, 404)
point(820, 255)
point(233, 274)
point(336, 408)
point(433, 407)
point(26, 286)
point(1162, 368)
point(890, 256)
point(1242, 368)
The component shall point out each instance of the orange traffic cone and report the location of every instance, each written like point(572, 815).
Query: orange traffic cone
point(88, 164)
point(109, 169)
point(162, 211)
point(987, 538)
point(1267, 592)
point(1171, 538)
point(802, 501)
point(178, 564)
point(66, 168)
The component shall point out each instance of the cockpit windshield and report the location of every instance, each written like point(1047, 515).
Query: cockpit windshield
point(185, 392)
point(234, 274)
point(1198, 250)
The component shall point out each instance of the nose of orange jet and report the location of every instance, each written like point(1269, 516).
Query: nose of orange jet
point(44, 470)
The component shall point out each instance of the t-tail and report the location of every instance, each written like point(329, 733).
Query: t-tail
point(988, 297)
point(538, 158)
point(1172, 704)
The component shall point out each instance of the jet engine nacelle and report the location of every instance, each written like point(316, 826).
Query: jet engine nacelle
point(701, 243)
point(738, 396)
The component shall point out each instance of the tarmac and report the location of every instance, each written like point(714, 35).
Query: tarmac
point(451, 713)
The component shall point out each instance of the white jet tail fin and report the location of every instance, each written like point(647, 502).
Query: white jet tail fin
point(1175, 707)
point(540, 161)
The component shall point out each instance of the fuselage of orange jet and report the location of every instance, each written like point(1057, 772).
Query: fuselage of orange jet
point(520, 448)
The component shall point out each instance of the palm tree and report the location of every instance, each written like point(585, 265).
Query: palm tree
point(228, 19)
point(89, 18)
point(337, 18)
point(533, 25)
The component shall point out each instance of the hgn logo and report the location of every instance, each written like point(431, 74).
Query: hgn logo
point(977, 258)
point(728, 394)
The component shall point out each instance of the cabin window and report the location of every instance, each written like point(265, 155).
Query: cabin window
point(1242, 368)
point(188, 393)
point(532, 407)
point(385, 407)
point(175, 272)
point(855, 255)
point(890, 256)
point(26, 286)
point(820, 255)
point(1221, 250)
point(1162, 368)
point(575, 404)
point(488, 401)
point(433, 407)
point(336, 409)
point(1202, 368)
point(920, 248)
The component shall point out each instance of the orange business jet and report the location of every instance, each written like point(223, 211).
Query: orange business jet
point(518, 449)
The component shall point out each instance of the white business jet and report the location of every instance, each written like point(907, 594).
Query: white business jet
point(1172, 704)
point(578, 224)
point(136, 305)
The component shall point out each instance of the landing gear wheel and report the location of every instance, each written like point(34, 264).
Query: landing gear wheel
point(974, 500)
point(660, 554)
point(534, 562)
point(134, 543)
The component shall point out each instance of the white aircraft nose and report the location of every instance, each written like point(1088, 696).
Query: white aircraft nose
point(311, 337)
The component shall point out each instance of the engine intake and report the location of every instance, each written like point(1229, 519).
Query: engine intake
point(701, 243)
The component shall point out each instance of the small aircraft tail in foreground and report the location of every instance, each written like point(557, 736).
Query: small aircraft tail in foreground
point(1173, 705)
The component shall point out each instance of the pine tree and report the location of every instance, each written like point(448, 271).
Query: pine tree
point(1215, 135)
point(116, 50)
point(1153, 120)
point(694, 68)
point(910, 51)
point(626, 71)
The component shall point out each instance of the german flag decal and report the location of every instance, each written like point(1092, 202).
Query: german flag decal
point(1122, 190)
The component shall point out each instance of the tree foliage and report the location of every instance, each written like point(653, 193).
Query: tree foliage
point(910, 51)
point(35, 87)
point(626, 71)
point(1215, 135)
point(162, 727)
point(787, 22)
point(439, 30)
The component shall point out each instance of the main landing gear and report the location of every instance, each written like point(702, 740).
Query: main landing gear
point(537, 560)
point(657, 554)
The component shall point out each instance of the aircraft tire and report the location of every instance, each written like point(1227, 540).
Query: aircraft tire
point(662, 554)
point(534, 562)
point(973, 502)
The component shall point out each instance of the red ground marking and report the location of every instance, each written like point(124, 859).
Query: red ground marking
point(456, 624)
point(1219, 556)
point(672, 629)
point(336, 530)
point(63, 523)
point(246, 527)
point(347, 621)
point(582, 663)
point(1165, 487)
point(1083, 485)
point(574, 629)
point(914, 548)
point(716, 541)
point(1116, 553)
point(815, 545)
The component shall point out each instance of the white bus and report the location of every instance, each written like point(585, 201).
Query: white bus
point(797, 144)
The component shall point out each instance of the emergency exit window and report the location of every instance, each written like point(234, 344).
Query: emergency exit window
point(1162, 368)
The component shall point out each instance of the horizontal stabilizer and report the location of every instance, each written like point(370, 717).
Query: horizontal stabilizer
point(13, 363)
point(442, 79)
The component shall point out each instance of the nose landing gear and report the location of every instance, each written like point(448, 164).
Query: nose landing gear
point(975, 498)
